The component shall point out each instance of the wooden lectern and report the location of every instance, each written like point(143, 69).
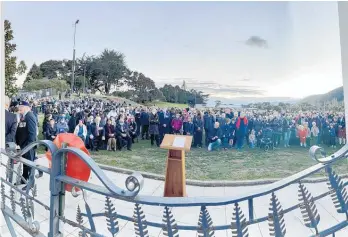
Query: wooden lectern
point(175, 182)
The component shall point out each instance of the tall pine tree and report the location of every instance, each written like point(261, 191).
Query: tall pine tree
point(33, 74)
point(11, 68)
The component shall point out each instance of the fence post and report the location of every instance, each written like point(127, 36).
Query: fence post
point(56, 195)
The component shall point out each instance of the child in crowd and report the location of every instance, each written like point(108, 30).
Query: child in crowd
point(252, 139)
point(332, 133)
point(177, 124)
point(341, 135)
point(302, 134)
point(188, 127)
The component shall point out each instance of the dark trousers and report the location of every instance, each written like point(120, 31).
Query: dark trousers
point(206, 132)
point(124, 141)
point(145, 132)
point(133, 135)
point(97, 143)
point(197, 139)
point(155, 137)
point(30, 155)
point(163, 131)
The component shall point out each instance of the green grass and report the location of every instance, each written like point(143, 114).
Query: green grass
point(219, 165)
point(247, 164)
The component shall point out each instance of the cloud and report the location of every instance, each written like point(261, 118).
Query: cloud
point(256, 41)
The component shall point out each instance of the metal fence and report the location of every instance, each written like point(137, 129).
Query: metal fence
point(23, 211)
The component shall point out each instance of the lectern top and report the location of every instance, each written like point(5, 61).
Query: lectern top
point(176, 142)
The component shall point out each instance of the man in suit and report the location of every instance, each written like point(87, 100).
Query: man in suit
point(10, 123)
point(26, 133)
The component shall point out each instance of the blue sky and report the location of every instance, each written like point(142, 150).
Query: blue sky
point(204, 43)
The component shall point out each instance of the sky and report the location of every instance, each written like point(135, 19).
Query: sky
point(226, 49)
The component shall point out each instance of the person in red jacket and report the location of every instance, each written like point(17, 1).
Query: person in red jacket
point(177, 124)
point(241, 130)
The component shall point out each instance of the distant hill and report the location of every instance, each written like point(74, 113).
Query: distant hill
point(334, 94)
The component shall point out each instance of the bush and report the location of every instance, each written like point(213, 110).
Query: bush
point(41, 84)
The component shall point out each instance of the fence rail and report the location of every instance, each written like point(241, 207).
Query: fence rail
point(22, 210)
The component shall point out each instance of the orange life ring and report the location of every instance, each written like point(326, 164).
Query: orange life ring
point(75, 167)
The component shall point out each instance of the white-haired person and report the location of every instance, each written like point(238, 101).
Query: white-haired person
point(81, 130)
point(315, 132)
point(154, 127)
point(215, 137)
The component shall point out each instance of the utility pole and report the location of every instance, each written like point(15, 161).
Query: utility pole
point(73, 69)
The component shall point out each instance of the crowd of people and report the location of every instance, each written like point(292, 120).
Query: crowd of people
point(112, 125)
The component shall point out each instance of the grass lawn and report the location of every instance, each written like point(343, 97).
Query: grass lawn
point(222, 165)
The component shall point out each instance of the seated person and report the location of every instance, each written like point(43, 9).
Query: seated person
point(62, 126)
point(122, 134)
point(110, 135)
point(51, 130)
point(81, 131)
point(98, 134)
point(215, 137)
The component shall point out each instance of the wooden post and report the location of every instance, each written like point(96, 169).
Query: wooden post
point(175, 179)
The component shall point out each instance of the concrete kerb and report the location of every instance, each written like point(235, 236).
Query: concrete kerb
point(215, 183)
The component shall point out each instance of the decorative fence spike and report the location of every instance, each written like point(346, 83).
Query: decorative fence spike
point(238, 224)
point(2, 195)
point(13, 200)
point(19, 174)
point(79, 217)
point(308, 208)
point(276, 218)
point(9, 170)
point(205, 223)
point(23, 208)
point(338, 192)
point(140, 225)
point(170, 227)
point(111, 217)
point(34, 191)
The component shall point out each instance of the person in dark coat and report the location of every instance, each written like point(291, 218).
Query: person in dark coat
point(10, 123)
point(51, 130)
point(137, 121)
point(226, 134)
point(110, 136)
point(73, 122)
point(123, 137)
point(26, 133)
point(164, 126)
point(133, 128)
point(98, 133)
point(208, 126)
point(144, 121)
point(215, 135)
point(188, 127)
point(153, 129)
point(198, 130)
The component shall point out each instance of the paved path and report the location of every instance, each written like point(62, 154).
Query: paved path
point(220, 215)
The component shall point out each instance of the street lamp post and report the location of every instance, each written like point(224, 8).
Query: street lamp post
point(73, 69)
point(84, 73)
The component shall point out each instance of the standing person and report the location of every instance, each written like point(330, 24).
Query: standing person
point(144, 120)
point(137, 121)
point(208, 125)
point(177, 124)
point(153, 129)
point(226, 129)
point(188, 127)
point(133, 128)
point(98, 134)
point(62, 126)
point(286, 131)
point(332, 133)
point(315, 132)
point(341, 135)
point(26, 133)
point(198, 130)
point(241, 130)
point(164, 126)
point(10, 123)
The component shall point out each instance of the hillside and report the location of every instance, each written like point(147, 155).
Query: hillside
point(334, 94)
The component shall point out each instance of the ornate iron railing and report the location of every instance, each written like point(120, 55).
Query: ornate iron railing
point(19, 206)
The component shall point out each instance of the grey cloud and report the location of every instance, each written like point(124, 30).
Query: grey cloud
point(256, 41)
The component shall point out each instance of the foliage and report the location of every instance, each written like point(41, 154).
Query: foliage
point(34, 73)
point(11, 68)
point(35, 85)
point(217, 103)
point(177, 95)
